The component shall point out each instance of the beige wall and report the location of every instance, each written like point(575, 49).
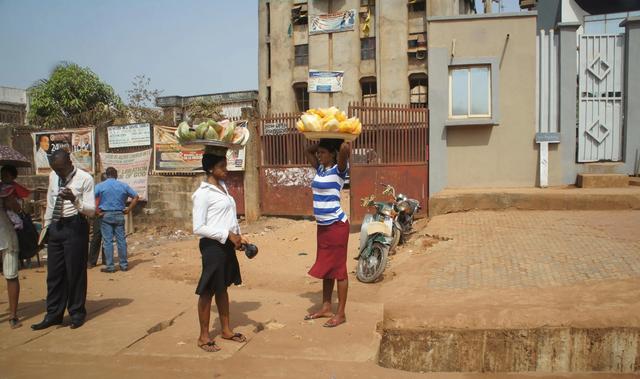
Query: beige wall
point(502, 155)
point(391, 24)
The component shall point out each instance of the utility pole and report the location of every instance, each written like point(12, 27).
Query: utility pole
point(251, 169)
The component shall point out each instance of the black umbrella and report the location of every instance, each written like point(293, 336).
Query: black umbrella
point(10, 157)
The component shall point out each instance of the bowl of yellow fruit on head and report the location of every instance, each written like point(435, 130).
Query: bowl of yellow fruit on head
point(319, 123)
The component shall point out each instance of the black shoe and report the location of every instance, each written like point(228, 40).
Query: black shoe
point(46, 323)
point(124, 269)
point(76, 324)
point(108, 270)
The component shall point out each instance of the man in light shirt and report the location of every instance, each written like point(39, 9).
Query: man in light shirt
point(70, 198)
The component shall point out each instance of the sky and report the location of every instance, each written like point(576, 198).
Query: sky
point(185, 47)
point(507, 6)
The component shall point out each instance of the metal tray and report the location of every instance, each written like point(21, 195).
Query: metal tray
point(206, 142)
point(316, 136)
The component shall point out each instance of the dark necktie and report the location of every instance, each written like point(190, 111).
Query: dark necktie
point(59, 205)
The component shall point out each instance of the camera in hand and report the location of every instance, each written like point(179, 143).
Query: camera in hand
point(250, 250)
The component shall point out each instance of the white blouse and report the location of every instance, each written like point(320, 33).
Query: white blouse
point(214, 213)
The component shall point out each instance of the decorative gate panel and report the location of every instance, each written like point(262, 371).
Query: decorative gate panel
point(600, 124)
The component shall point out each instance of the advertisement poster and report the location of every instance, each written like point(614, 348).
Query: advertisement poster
point(133, 169)
point(333, 23)
point(79, 142)
point(325, 81)
point(129, 135)
point(171, 157)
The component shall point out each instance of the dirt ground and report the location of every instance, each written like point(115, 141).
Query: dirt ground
point(143, 324)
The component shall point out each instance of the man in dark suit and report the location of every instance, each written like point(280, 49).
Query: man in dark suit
point(70, 199)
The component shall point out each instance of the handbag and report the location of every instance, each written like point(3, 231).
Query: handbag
point(27, 238)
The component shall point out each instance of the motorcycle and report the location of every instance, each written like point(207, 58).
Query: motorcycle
point(375, 240)
point(382, 231)
point(405, 210)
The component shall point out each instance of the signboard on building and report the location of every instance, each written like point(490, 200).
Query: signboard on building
point(333, 22)
point(133, 169)
point(129, 135)
point(275, 128)
point(79, 142)
point(325, 81)
point(171, 157)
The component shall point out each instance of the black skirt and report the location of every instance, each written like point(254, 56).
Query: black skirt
point(220, 267)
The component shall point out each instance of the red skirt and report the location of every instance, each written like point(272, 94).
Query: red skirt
point(331, 259)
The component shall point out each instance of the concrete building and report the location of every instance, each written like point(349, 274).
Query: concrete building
point(13, 105)
point(540, 98)
point(176, 107)
point(384, 56)
point(597, 118)
point(482, 101)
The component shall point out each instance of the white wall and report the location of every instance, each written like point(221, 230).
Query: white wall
point(13, 95)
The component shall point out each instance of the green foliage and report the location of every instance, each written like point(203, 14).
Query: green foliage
point(72, 96)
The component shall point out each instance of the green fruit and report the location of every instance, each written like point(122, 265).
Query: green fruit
point(211, 134)
point(201, 129)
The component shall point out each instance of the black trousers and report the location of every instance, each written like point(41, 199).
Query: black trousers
point(96, 242)
point(67, 268)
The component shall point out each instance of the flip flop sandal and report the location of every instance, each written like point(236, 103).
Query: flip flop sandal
point(315, 316)
point(238, 337)
point(210, 347)
point(14, 323)
point(333, 323)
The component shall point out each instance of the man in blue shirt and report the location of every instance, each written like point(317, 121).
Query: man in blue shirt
point(113, 196)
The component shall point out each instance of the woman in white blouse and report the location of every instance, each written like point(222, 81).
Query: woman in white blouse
point(215, 220)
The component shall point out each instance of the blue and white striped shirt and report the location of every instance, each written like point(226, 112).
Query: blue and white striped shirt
point(326, 188)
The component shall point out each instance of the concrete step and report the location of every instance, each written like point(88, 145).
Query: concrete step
point(556, 198)
point(602, 180)
point(544, 349)
point(634, 181)
point(603, 168)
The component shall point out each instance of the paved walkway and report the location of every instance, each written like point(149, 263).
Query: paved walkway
point(518, 269)
point(535, 248)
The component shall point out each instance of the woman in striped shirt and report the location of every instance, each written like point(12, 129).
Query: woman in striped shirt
point(330, 159)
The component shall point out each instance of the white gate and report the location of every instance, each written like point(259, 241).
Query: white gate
point(600, 124)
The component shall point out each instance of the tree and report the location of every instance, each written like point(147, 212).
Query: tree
point(201, 110)
point(72, 96)
point(142, 100)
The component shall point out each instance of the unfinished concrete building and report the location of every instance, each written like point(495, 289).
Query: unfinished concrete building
point(383, 56)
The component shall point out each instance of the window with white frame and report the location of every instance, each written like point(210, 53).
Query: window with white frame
point(470, 92)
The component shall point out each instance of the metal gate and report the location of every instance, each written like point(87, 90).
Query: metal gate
point(393, 149)
point(285, 175)
point(600, 124)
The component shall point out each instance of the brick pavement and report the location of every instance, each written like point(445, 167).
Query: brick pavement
point(524, 249)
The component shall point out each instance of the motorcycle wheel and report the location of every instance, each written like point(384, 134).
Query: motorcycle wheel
point(370, 268)
point(395, 235)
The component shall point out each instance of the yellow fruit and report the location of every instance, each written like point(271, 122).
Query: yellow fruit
point(344, 127)
point(331, 112)
point(340, 116)
point(332, 126)
point(300, 126)
point(311, 123)
point(358, 127)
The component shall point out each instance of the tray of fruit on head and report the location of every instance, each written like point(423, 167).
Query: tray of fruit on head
point(224, 134)
point(316, 124)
